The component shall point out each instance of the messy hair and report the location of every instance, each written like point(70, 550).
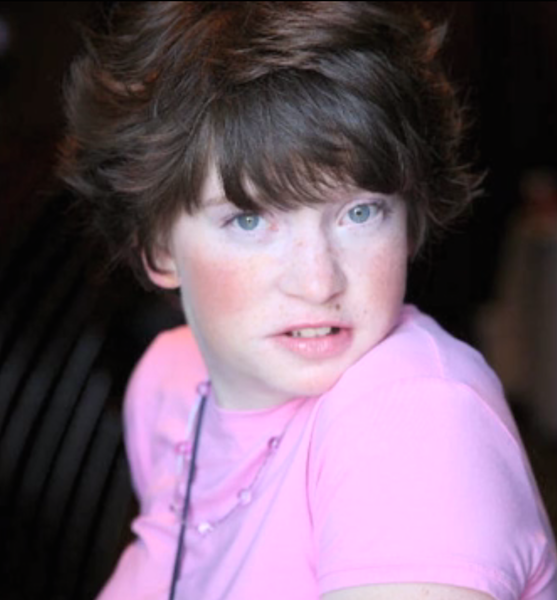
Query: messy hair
point(282, 97)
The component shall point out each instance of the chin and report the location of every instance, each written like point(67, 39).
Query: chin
point(314, 386)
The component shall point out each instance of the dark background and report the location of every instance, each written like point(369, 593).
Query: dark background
point(68, 338)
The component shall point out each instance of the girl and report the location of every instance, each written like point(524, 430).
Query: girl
point(307, 435)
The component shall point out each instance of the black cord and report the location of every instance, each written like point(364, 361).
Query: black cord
point(180, 549)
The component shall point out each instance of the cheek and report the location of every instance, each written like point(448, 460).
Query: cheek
point(386, 276)
point(219, 287)
point(394, 276)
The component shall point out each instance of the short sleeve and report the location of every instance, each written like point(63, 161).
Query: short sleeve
point(421, 482)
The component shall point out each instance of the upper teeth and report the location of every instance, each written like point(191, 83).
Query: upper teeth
point(312, 332)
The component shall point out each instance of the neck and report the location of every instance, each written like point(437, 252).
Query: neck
point(237, 398)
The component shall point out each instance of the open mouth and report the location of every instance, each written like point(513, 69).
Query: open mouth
point(317, 343)
point(313, 332)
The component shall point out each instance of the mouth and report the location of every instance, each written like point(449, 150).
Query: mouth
point(316, 342)
point(313, 332)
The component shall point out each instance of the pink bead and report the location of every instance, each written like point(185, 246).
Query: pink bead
point(203, 388)
point(244, 497)
point(183, 448)
point(204, 528)
point(274, 443)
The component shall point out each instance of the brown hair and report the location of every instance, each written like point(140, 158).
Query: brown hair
point(282, 95)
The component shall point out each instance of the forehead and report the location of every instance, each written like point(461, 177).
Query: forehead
point(212, 191)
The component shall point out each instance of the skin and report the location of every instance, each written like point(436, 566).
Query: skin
point(242, 287)
point(407, 592)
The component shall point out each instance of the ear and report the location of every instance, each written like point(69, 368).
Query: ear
point(162, 268)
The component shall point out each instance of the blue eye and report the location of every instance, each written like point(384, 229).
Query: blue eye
point(247, 221)
point(361, 213)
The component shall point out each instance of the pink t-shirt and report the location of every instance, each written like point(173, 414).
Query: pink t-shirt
point(410, 469)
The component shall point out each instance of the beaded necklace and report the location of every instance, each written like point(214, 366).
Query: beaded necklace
point(186, 453)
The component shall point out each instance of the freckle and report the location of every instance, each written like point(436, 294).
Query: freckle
point(337, 306)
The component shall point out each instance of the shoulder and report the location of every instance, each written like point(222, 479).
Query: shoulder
point(171, 364)
point(431, 404)
point(420, 427)
point(170, 351)
point(419, 347)
point(158, 398)
point(419, 362)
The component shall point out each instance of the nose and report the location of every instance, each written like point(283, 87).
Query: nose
point(313, 272)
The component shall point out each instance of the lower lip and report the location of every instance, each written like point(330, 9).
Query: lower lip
point(325, 346)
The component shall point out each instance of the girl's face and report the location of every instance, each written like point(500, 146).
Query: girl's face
point(281, 304)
